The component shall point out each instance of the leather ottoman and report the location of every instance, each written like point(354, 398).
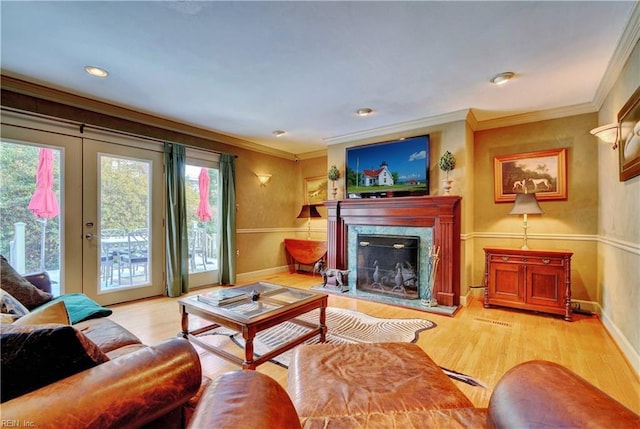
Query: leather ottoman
point(375, 385)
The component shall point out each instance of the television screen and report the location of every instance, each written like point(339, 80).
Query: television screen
point(389, 169)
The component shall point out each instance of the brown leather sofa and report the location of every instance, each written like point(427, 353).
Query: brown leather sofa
point(140, 386)
point(376, 386)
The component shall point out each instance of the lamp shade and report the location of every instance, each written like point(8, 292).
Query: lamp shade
point(526, 204)
point(607, 133)
point(308, 211)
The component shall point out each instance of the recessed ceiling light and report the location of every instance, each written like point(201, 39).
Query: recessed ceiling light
point(502, 78)
point(279, 133)
point(365, 111)
point(96, 71)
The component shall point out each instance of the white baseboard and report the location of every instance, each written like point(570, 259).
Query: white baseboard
point(267, 272)
point(621, 341)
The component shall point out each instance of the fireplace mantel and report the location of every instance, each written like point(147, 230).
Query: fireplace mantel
point(442, 213)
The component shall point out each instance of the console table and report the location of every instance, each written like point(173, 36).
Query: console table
point(538, 280)
point(306, 252)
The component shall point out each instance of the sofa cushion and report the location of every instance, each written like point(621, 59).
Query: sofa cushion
point(33, 356)
point(81, 307)
point(107, 334)
point(10, 308)
point(40, 280)
point(20, 288)
point(55, 312)
point(125, 350)
point(6, 319)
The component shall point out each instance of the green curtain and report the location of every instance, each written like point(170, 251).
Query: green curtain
point(228, 220)
point(177, 245)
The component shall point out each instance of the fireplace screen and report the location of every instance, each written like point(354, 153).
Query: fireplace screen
point(388, 264)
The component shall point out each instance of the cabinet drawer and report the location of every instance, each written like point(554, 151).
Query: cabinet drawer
point(528, 259)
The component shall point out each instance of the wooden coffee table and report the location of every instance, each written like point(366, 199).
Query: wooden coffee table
point(276, 304)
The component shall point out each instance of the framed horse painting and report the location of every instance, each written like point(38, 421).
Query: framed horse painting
point(543, 173)
point(315, 190)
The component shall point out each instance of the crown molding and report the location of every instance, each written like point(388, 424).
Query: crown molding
point(541, 115)
point(472, 120)
point(460, 115)
point(469, 116)
point(311, 155)
point(38, 91)
point(628, 41)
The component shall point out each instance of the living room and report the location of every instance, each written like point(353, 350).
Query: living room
point(597, 221)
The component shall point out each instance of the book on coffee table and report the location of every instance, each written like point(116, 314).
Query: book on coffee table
point(222, 297)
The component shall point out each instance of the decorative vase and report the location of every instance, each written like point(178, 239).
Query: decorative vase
point(446, 186)
point(334, 190)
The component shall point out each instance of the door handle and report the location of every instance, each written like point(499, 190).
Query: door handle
point(90, 236)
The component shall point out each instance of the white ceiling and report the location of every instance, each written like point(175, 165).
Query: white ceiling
point(246, 69)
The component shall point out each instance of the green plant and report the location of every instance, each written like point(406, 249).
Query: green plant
point(447, 162)
point(334, 173)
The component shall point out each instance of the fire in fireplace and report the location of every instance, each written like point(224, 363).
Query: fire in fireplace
point(388, 264)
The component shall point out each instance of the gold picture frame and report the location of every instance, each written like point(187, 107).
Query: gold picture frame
point(629, 132)
point(543, 173)
point(315, 190)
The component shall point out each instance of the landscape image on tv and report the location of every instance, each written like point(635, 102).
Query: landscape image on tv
point(393, 168)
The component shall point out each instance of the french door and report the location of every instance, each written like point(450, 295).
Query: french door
point(32, 242)
point(107, 240)
point(122, 211)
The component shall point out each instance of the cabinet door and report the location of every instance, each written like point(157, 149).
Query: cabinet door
point(544, 286)
point(505, 282)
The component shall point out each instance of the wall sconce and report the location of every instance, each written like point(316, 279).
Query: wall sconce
point(263, 178)
point(525, 204)
point(608, 134)
point(308, 211)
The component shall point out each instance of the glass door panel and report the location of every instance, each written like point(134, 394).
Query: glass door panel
point(124, 219)
point(30, 208)
point(123, 206)
point(201, 187)
point(20, 228)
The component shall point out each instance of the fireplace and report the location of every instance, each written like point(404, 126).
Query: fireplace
point(388, 264)
point(434, 219)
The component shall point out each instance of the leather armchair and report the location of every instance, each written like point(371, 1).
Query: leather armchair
point(538, 394)
point(245, 399)
point(128, 392)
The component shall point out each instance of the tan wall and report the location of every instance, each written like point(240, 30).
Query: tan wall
point(570, 224)
point(267, 214)
point(619, 228)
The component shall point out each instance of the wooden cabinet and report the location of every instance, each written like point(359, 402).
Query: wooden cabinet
point(538, 280)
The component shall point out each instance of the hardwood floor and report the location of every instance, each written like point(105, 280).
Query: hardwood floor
point(483, 343)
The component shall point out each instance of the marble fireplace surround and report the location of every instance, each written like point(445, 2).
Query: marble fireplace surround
point(440, 213)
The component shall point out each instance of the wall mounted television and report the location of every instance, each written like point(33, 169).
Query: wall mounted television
point(397, 168)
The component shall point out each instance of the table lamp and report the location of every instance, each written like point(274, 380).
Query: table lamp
point(308, 211)
point(525, 204)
